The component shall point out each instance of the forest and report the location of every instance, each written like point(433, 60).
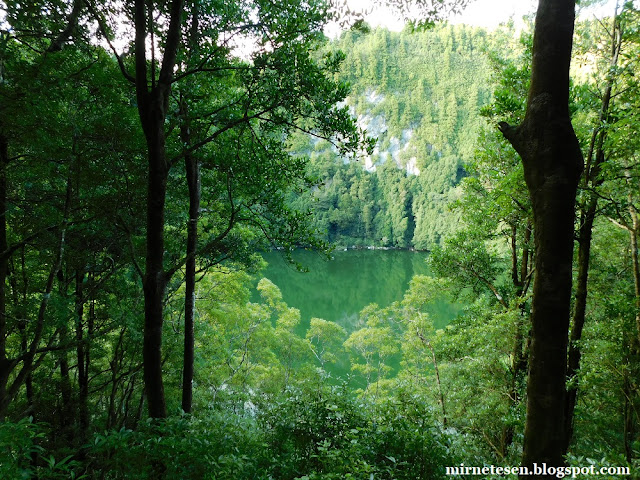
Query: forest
point(151, 153)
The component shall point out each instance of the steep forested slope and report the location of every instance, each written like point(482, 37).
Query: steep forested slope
point(418, 94)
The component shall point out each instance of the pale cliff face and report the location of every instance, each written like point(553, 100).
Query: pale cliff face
point(376, 127)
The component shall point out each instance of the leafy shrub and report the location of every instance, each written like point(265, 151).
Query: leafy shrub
point(315, 432)
point(23, 457)
point(328, 434)
point(219, 446)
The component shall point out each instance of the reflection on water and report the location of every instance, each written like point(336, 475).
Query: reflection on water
point(337, 290)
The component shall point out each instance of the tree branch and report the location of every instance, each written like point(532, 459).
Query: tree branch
point(57, 44)
point(103, 30)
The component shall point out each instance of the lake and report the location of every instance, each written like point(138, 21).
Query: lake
point(338, 289)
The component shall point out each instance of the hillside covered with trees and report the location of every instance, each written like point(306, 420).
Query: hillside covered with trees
point(147, 160)
point(418, 95)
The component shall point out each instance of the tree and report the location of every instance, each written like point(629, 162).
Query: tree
point(375, 344)
point(282, 88)
point(13, 377)
point(591, 180)
point(553, 162)
point(618, 192)
point(419, 329)
point(325, 340)
point(152, 96)
point(59, 225)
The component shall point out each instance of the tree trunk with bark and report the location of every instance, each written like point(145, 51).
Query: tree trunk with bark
point(591, 180)
point(82, 358)
point(520, 278)
point(192, 167)
point(5, 363)
point(553, 162)
point(153, 102)
point(632, 358)
point(192, 173)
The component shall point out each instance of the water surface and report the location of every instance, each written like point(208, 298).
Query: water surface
point(338, 289)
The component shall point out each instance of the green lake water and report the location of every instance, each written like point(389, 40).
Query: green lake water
point(338, 289)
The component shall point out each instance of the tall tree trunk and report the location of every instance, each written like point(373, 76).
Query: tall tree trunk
point(5, 363)
point(591, 179)
point(153, 102)
point(587, 218)
point(82, 358)
point(154, 282)
point(66, 407)
point(520, 281)
point(192, 167)
point(552, 163)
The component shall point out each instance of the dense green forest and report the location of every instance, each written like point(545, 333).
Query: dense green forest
point(146, 161)
point(419, 96)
